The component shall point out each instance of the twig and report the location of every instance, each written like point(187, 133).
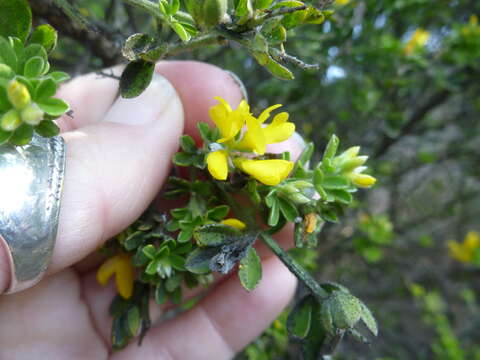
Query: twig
point(282, 11)
point(417, 116)
point(284, 57)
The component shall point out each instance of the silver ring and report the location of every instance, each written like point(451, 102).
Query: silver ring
point(31, 180)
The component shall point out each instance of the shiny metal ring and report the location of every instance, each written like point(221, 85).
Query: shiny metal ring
point(31, 180)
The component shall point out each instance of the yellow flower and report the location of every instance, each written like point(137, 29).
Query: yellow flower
point(229, 121)
point(237, 224)
point(217, 163)
point(465, 251)
point(121, 266)
point(254, 138)
point(269, 172)
point(472, 28)
point(417, 40)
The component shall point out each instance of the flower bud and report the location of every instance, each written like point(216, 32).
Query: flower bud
point(10, 120)
point(32, 114)
point(351, 164)
point(351, 152)
point(213, 12)
point(363, 180)
point(5, 71)
point(18, 94)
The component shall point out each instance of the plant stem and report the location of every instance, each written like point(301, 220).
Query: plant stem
point(295, 268)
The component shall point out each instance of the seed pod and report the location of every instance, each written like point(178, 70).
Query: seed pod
point(18, 94)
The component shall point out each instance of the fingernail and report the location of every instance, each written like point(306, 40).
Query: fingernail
point(146, 107)
point(240, 84)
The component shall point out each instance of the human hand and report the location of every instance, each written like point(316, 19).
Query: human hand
point(118, 156)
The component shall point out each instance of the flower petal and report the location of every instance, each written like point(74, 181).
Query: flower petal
point(266, 113)
point(268, 172)
point(279, 130)
point(121, 266)
point(229, 121)
point(217, 163)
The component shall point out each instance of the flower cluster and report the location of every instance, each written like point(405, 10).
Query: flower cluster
point(236, 148)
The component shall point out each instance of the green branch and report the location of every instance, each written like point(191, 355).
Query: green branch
point(295, 268)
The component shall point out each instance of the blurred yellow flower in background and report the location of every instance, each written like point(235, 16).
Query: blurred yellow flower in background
point(418, 40)
point(466, 251)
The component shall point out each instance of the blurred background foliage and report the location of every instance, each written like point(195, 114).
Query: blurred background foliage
point(401, 79)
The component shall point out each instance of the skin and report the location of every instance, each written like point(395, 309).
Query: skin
point(116, 166)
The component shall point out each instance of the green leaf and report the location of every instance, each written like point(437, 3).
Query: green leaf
point(118, 337)
point(181, 32)
point(261, 4)
point(53, 106)
point(204, 130)
point(31, 51)
point(215, 235)
point(188, 144)
point(6, 72)
point(274, 214)
point(133, 320)
point(185, 235)
point(177, 262)
point(46, 36)
point(331, 148)
point(4, 103)
point(183, 159)
point(218, 212)
point(174, 6)
point(45, 89)
point(136, 45)
point(59, 76)
point(22, 135)
point(198, 261)
point(33, 67)
point(135, 78)
point(4, 136)
point(7, 54)
point(161, 295)
point(368, 319)
point(314, 342)
point(342, 196)
point(149, 251)
point(47, 128)
point(335, 182)
point(152, 267)
point(278, 70)
point(288, 209)
point(173, 282)
point(16, 18)
point(133, 241)
point(250, 270)
point(300, 318)
point(244, 8)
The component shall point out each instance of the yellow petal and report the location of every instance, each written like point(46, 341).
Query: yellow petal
point(279, 130)
point(121, 266)
point(237, 224)
point(266, 113)
point(254, 138)
point(418, 39)
point(268, 172)
point(217, 163)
